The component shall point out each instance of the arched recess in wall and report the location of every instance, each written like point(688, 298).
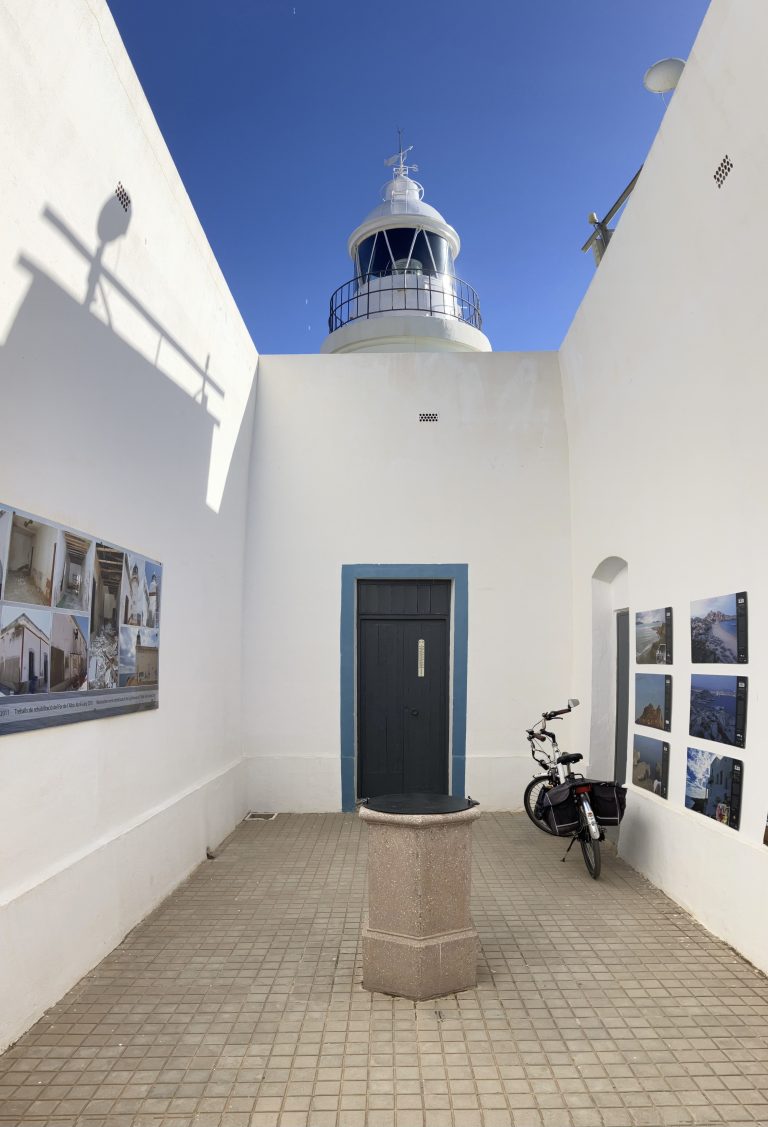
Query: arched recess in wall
point(610, 657)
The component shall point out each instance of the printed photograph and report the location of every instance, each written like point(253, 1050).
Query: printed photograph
point(765, 832)
point(153, 574)
point(6, 518)
point(138, 608)
point(650, 764)
point(73, 573)
point(715, 628)
point(69, 653)
point(714, 708)
point(651, 700)
point(652, 646)
point(103, 661)
point(25, 650)
point(713, 786)
point(31, 561)
point(138, 657)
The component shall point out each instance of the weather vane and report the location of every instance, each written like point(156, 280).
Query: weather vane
point(401, 169)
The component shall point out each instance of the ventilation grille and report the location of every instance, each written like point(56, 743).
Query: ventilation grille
point(254, 817)
point(429, 417)
point(722, 170)
point(123, 197)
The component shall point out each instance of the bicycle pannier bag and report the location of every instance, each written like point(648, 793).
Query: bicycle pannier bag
point(609, 801)
point(560, 810)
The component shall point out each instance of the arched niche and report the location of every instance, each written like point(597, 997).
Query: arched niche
point(610, 600)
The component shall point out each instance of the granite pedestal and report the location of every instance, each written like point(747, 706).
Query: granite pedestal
point(419, 941)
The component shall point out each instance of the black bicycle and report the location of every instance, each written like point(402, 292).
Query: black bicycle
point(560, 802)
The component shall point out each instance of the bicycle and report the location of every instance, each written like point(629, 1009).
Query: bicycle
point(559, 774)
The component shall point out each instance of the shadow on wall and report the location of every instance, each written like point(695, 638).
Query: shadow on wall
point(80, 368)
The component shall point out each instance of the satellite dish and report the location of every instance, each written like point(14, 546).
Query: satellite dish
point(663, 76)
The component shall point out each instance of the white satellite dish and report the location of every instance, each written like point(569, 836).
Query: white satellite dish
point(663, 76)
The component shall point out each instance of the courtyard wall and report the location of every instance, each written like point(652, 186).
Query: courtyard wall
point(666, 397)
point(126, 379)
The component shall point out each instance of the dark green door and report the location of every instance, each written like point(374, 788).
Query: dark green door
point(403, 641)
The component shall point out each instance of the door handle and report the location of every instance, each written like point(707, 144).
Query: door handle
point(414, 712)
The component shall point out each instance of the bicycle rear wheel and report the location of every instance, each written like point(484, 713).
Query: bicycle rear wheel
point(591, 852)
point(532, 792)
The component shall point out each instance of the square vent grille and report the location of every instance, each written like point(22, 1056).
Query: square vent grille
point(429, 417)
point(123, 197)
point(723, 169)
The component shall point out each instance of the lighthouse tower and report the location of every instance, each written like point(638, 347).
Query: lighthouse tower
point(405, 295)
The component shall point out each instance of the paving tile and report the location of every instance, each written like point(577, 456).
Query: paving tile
point(238, 1003)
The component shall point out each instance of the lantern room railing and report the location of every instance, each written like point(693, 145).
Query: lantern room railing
point(371, 295)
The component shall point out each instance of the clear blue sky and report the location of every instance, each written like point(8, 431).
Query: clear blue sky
point(525, 116)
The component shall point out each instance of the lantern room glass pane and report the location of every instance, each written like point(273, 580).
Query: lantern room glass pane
point(428, 254)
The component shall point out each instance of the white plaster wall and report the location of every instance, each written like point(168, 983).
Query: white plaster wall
point(146, 388)
point(343, 472)
point(666, 397)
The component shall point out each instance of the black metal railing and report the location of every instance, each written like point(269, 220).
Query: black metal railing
point(441, 295)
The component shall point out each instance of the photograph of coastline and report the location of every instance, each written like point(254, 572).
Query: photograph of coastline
point(713, 786)
point(653, 637)
point(650, 765)
point(653, 700)
point(719, 629)
point(718, 708)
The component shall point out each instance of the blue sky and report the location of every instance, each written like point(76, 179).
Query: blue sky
point(525, 116)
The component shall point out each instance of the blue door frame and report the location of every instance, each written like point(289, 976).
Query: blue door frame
point(350, 573)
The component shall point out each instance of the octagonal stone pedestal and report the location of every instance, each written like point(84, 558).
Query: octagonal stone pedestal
point(419, 941)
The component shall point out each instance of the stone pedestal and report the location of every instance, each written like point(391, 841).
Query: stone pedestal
point(419, 941)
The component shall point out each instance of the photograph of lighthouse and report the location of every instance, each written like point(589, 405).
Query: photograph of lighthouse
point(653, 637)
point(713, 786)
point(653, 700)
point(719, 630)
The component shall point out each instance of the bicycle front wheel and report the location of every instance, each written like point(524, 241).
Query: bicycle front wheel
point(591, 852)
point(532, 792)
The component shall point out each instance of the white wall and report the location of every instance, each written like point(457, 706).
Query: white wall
point(666, 397)
point(148, 383)
point(344, 473)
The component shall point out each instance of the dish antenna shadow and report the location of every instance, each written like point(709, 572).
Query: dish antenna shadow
point(663, 76)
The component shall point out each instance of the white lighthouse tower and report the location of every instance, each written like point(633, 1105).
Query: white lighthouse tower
point(405, 295)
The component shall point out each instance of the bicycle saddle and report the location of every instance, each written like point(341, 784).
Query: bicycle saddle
point(574, 758)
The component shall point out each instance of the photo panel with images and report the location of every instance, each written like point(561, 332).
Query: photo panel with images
point(653, 637)
point(713, 786)
point(25, 650)
point(650, 764)
point(719, 630)
point(31, 561)
point(69, 652)
point(6, 520)
point(653, 700)
point(718, 709)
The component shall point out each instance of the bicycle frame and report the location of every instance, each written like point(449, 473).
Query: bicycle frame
point(561, 772)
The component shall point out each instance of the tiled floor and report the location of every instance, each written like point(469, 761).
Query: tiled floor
point(238, 1004)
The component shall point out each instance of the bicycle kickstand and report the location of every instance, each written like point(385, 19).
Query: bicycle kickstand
point(568, 850)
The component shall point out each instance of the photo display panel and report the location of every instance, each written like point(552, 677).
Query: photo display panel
point(719, 630)
point(653, 700)
point(650, 764)
point(713, 786)
point(718, 708)
point(653, 637)
point(79, 626)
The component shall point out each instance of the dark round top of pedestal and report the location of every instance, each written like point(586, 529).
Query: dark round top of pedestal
point(418, 804)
